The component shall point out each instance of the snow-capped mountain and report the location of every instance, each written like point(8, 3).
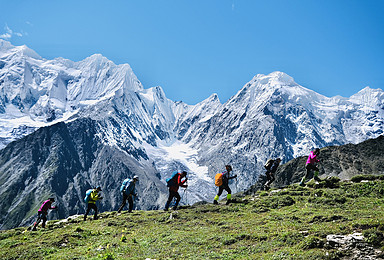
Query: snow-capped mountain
point(149, 134)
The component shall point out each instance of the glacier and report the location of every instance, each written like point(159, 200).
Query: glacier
point(270, 116)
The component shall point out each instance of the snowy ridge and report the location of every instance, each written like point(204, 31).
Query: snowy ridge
point(270, 116)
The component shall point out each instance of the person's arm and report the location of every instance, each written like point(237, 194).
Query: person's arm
point(182, 182)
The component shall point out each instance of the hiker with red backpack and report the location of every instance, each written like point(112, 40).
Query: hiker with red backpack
point(91, 196)
point(174, 183)
point(43, 212)
point(128, 190)
point(271, 167)
point(222, 181)
point(311, 166)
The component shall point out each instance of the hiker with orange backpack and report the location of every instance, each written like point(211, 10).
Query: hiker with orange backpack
point(43, 212)
point(174, 183)
point(222, 181)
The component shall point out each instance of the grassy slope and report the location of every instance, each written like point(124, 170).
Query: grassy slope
point(289, 224)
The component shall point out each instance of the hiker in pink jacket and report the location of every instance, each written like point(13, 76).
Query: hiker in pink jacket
point(43, 212)
point(311, 166)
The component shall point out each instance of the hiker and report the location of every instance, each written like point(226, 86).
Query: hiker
point(311, 165)
point(92, 195)
point(128, 191)
point(271, 167)
point(174, 183)
point(223, 183)
point(43, 212)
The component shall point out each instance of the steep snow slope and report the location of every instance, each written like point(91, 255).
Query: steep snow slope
point(270, 116)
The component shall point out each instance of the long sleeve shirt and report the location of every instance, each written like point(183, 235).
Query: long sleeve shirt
point(179, 183)
point(45, 206)
point(312, 158)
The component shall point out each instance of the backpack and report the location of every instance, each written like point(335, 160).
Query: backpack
point(124, 184)
point(88, 195)
point(219, 179)
point(268, 164)
point(171, 181)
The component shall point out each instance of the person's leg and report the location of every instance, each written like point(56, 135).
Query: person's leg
point(87, 211)
point(94, 207)
point(216, 199)
point(123, 203)
point(37, 221)
point(130, 202)
point(177, 195)
point(44, 217)
point(308, 168)
point(170, 197)
point(316, 173)
point(229, 195)
point(268, 178)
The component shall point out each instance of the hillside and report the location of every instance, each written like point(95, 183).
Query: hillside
point(68, 126)
point(291, 223)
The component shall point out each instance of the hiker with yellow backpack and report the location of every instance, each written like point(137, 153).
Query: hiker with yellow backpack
point(222, 181)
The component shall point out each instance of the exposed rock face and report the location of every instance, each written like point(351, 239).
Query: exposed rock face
point(95, 124)
point(63, 161)
point(343, 161)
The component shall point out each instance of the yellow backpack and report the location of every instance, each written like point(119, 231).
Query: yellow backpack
point(219, 179)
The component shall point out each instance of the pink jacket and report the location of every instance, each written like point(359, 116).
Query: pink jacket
point(46, 205)
point(312, 158)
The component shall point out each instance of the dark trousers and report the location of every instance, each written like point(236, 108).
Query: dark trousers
point(91, 206)
point(130, 202)
point(270, 177)
point(224, 187)
point(41, 216)
point(310, 167)
point(172, 194)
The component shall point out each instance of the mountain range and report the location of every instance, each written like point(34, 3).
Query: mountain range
point(68, 126)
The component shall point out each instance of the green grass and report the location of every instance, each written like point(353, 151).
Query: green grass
point(290, 224)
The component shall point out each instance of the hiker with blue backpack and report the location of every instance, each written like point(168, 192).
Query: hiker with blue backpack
point(92, 195)
point(222, 181)
point(174, 182)
point(128, 190)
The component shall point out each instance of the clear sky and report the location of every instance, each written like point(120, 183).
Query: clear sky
point(195, 48)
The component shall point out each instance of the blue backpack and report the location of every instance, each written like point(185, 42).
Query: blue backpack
point(171, 181)
point(88, 195)
point(124, 184)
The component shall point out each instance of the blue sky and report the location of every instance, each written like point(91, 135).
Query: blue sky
point(195, 48)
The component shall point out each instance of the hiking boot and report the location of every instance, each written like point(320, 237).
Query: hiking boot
point(215, 202)
point(228, 202)
point(34, 229)
point(302, 184)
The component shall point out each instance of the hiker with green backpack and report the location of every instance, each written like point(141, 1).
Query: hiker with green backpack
point(91, 196)
point(222, 181)
point(271, 167)
point(311, 166)
point(174, 182)
point(128, 190)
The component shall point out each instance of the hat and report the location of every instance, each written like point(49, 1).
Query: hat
point(184, 172)
point(98, 188)
point(136, 177)
point(52, 199)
